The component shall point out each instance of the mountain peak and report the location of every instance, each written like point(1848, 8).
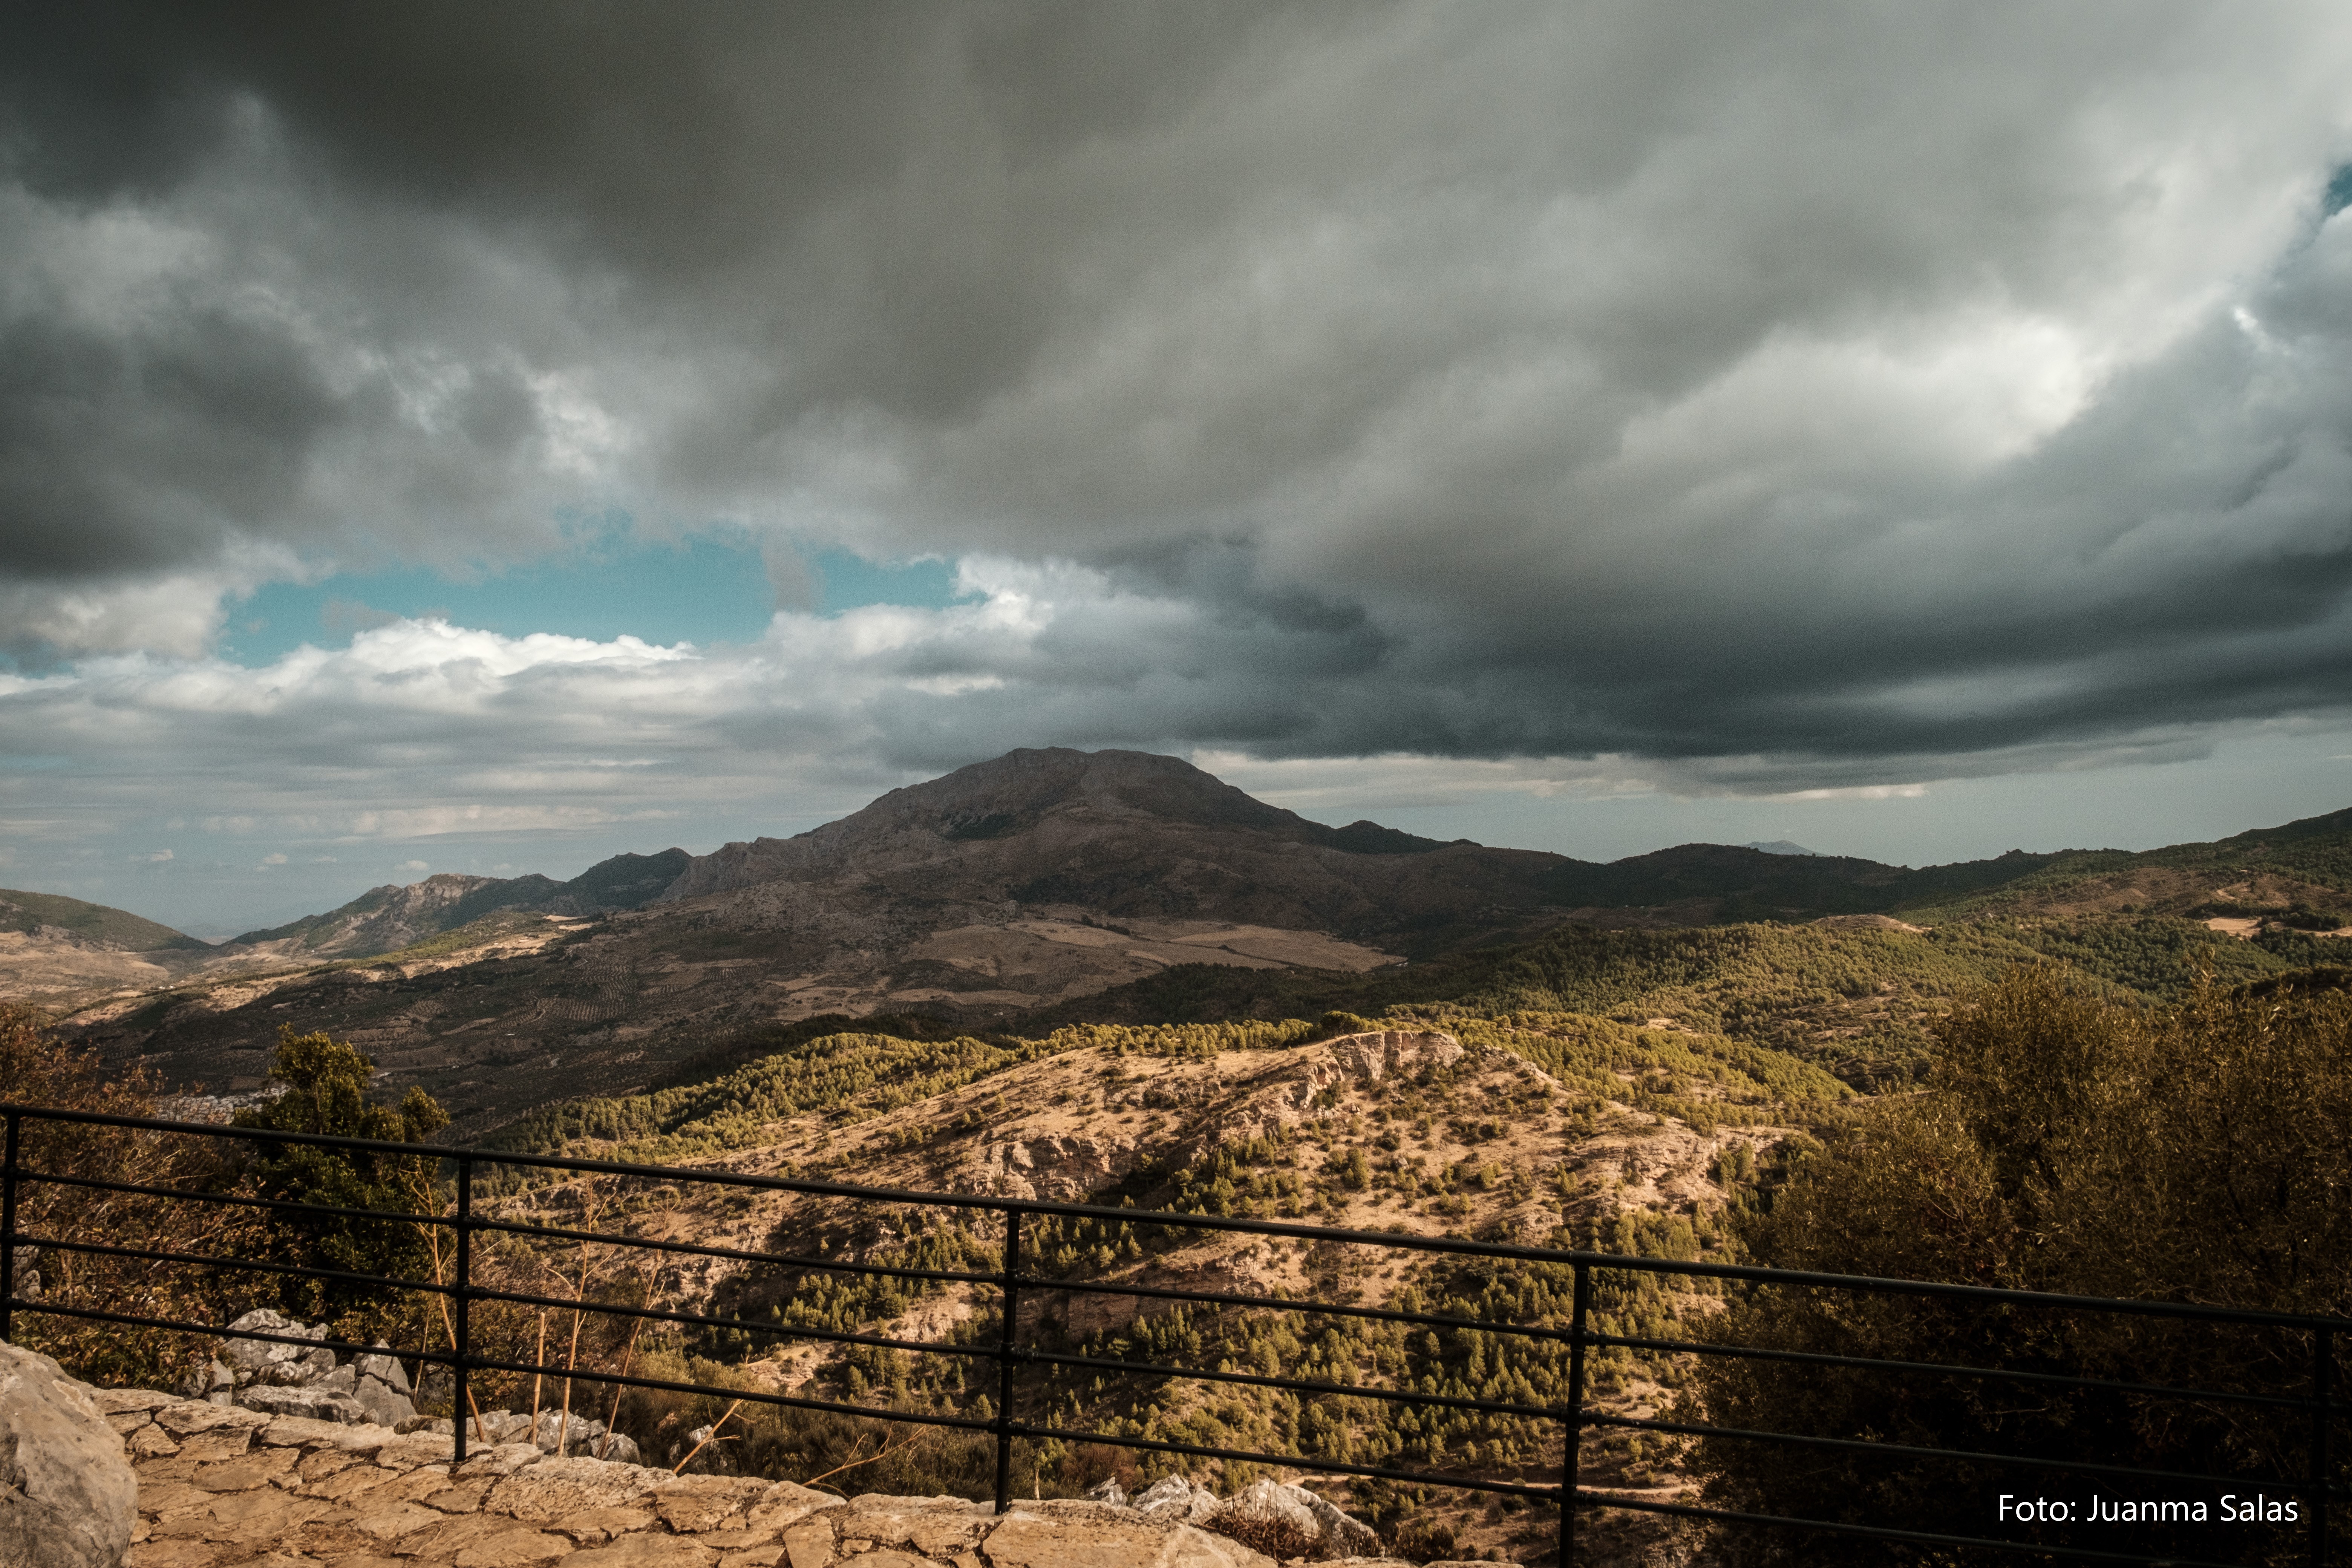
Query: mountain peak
point(1008, 794)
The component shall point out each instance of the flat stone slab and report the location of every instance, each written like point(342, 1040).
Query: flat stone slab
point(219, 1485)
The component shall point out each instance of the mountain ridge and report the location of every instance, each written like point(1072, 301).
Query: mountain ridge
point(1053, 884)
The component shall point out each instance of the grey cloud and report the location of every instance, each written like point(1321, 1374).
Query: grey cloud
point(1847, 386)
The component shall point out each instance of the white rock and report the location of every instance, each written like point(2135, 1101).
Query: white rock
point(383, 1407)
point(553, 1438)
point(614, 1446)
point(311, 1403)
point(384, 1368)
point(252, 1355)
point(1343, 1536)
point(1173, 1500)
point(1270, 1502)
point(67, 1497)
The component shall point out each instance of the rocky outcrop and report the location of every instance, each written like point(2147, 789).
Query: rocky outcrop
point(1289, 1522)
point(281, 1379)
point(67, 1497)
point(1176, 1500)
point(1063, 1170)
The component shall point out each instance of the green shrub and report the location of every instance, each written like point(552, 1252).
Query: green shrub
point(2201, 1153)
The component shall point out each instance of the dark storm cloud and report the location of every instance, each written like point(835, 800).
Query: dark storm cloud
point(1878, 392)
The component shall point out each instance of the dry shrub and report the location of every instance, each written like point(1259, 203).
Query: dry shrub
point(38, 1068)
point(1277, 1538)
point(1087, 1466)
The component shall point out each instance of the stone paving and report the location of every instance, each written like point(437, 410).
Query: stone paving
point(221, 1484)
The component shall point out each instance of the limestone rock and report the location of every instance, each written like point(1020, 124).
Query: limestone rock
point(191, 1416)
point(1174, 1499)
point(1343, 1536)
point(693, 1504)
point(556, 1431)
point(117, 1401)
point(382, 1404)
point(67, 1497)
point(309, 1404)
point(250, 1356)
point(1026, 1539)
point(787, 1503)
point(499, 1459)
point(335, 1380)
point(937, 1527)
point(215, 1377)
point(384, 1368)
point(645, 1551)
point(1270, 1502)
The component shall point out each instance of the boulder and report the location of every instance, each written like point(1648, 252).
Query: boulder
point(67, 1497)
point(383, 1407)
point(1174, 1499)
point(615, 1447)
point(1275, 1519)
point(385, 1369)
point(1343, 1536)
point(217, 1379)
point(553, 1437)
point(251, 1358)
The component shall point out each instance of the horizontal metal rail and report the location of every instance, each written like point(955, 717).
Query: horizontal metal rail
point(232, 1200)
point(1575, 1269)
point(1875, 1448)
point(1322, 1308)
point(265, 1336)
point(1304, 1385)
point(737, 1253)
point(256, 1265)
point(1948, 1369)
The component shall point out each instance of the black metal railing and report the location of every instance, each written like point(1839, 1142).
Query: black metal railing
point(2315, 1402)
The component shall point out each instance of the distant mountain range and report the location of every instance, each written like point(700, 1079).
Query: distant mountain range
point(1778, 846)
point(385, 919)
point(1005, 888)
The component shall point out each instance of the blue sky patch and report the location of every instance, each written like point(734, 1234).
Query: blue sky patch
point(706, 591)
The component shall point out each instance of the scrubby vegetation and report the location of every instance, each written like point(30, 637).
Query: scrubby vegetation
point(849, 1077)
point(1862, 1003)
point(2068, 1143)
point(73, 1225)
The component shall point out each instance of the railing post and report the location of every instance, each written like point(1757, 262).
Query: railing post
point(1005, 1360)
point(8, 1235)
point(459, 1383)
point(1575, 1415)
point(2323, 1375)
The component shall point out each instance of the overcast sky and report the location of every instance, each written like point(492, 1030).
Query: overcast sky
point(458, 437)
